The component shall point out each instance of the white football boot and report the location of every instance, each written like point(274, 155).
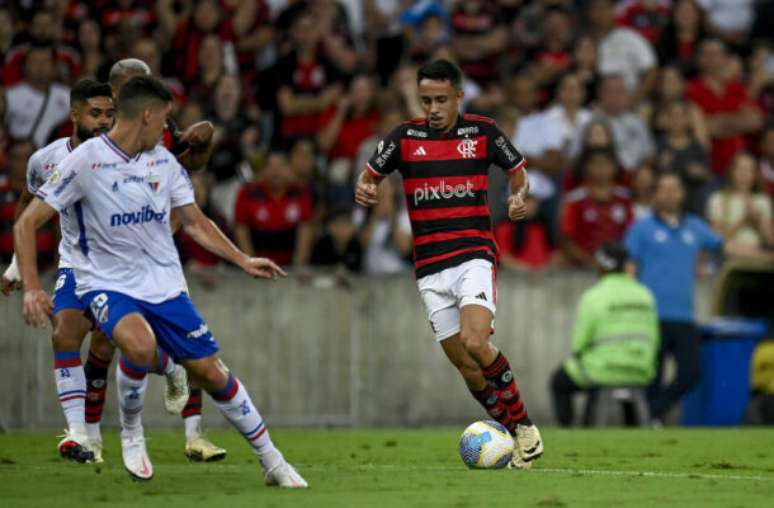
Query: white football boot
point(135, 455)
point(529, 444)
point(284, 475)
point(177, 393)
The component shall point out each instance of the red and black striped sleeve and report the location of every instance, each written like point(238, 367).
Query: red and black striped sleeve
point(504, 154)
point(387, 156)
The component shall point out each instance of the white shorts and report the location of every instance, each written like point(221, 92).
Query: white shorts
point(446, 292)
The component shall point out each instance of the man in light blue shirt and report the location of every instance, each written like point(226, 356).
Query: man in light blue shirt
point(664, 248)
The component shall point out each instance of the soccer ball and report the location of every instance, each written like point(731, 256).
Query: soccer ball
point(486, 445)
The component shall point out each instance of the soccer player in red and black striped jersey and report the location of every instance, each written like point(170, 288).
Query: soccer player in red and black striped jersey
point(444, 160)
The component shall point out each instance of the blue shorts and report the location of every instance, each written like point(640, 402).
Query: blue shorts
point(179, 329)
point(64, 292)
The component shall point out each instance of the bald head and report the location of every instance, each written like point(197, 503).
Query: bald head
point(125, 69)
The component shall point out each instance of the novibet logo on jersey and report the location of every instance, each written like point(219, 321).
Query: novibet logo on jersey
point(147, 214)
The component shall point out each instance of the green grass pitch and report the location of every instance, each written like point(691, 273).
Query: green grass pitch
point(403, 468)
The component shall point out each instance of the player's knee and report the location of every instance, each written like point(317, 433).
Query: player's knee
point(207, 375)
point(64, 338)
point(476, 342)
point(140, 350)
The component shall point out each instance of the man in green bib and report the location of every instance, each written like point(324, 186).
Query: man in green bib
point(616, 335)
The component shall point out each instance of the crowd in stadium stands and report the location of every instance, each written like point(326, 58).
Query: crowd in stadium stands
point(600, 96)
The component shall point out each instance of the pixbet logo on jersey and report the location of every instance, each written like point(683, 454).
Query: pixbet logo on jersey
point(147, 214)
point(443, 191)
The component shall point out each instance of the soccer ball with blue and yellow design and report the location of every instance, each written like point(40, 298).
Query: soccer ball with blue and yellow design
point(486, 445)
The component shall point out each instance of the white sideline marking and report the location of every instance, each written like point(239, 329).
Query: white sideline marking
point(649, 474)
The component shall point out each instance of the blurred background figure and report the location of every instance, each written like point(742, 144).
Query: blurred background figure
point(664, 248)
point(598, 211)
point(616, 335)
point(338, 247)
point(740, 212)
point(38, 103)
point(273, 215)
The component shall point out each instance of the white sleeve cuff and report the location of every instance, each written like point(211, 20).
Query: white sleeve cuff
point(12, 272)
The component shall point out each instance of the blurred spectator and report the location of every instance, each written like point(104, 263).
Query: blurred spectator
point(44, 30)
point(303, 163)
point(615, 338)
point(554, 55)
point(308, 82)
point(235, 142)
point(386, 37)
point(36, 105)
point(730, 20)
point(187, 29)
point(211, 67)
point(622, 51)
point(584, 65)
point(427, 28)
point(402, 91)
point(339, 246)
point(633, 140)
point(648, 17)
point(254, 43)
point(597, 134)
point(679, 42)
point(90, 46)
point(389, 118)
point(766, 167)
point(730, 111)
point(6, 36)
point(135, 13)
point(526, 243)
point(739, 212)
point(567, 117)
point(671, 88)
point(273, 215)
point(595, 213)
point(13, 178)
point(479, 36)
point(679, 151)
point(386, 234)
point(643, 185)
point(541, 146)
point(760, 81)
point(147, 50)
point(335, 32)
point(343, 129)
point(664, 248)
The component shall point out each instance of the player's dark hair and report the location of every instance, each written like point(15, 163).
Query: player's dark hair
point(441, 70)
point(611, 257)
point(139, 92)
point(87, 89)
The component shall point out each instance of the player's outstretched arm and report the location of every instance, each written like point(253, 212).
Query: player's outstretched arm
point(519, 182)
point(37, 303)
point(365, 189)
point(10, 281)
point(208, 235)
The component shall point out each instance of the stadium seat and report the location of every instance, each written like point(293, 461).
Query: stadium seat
point(603, 400)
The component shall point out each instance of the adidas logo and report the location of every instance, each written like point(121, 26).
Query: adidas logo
point(420, 151)
point(481, 296)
